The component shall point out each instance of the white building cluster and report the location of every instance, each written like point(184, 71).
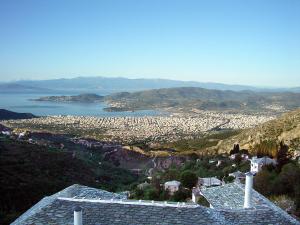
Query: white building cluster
point(152, 128)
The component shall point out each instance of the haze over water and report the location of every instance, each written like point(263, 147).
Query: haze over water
point(22, 103)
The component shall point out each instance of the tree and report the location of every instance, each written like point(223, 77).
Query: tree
point(235, 150)
point(282, 155)
point(263, 182)
point(151, 194)
point(288, 178)
point(170, 174)
point(188, 179)
point(297, 197)
point(181, 195)
point(164, 195)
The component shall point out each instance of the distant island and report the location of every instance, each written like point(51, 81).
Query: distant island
point(83, 98)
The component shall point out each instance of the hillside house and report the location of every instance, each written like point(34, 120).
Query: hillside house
point(238, 175)
point(258, 163)
point(7, 133)
point(208, 182)
point(172, 186)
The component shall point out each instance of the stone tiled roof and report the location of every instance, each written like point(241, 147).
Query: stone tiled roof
point(229, 199)
point(80, 191)
point(230, 196)
point(226, 196)
point(59, 211)
point(75, 191)
point(238, 174)
point(209, 181)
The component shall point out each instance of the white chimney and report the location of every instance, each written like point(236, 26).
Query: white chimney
point(248, 190)
point(78, 215)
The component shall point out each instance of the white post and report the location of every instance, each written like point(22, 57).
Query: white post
point(248, 190)
point(78, 215)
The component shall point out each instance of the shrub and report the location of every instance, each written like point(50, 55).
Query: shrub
point(203, 201)
point(181, 195)
point(151, 194)
point(188, 179)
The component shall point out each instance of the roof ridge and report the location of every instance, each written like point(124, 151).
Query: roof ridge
point(136, 202)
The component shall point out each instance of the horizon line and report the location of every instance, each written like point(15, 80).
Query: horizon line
point(166, 79)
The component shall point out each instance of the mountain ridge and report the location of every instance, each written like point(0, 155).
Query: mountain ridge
point(117, 84)
point(204, 99)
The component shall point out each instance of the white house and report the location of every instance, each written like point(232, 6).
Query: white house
point(172, 186)
point(209, 181)
point(258, 163)
point(238, 175)
point(7, 133)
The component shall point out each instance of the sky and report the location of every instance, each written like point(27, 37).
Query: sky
point(253, 42)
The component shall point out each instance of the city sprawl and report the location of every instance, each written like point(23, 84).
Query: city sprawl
point(150, 128)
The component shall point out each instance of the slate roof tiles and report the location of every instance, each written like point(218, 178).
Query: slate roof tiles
point(99, 210)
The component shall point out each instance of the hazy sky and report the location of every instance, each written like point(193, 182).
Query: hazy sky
point(253, 42)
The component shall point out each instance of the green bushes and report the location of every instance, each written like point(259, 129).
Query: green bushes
point(29, 172)
point(270, 182)
point(203, 201)
point(188, 179)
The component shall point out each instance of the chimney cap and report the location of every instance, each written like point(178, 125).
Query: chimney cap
point(77, 209)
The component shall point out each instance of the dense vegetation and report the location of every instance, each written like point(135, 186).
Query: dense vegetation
point(29, 172)
point(282, 186)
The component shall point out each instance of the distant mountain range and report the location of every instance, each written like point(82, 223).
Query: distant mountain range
point(105, 85)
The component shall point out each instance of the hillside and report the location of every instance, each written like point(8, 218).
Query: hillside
point(9, 115)
point(29, 172)
point(83, 98)
point(205, 99)
point(286, 129)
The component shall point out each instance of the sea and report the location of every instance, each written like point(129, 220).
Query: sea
point(23, 103)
